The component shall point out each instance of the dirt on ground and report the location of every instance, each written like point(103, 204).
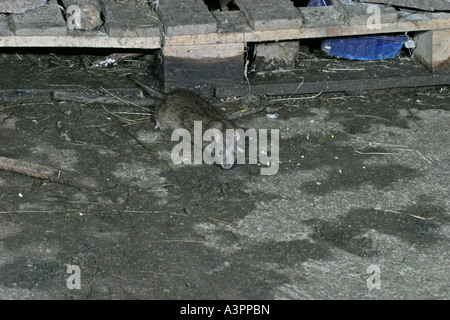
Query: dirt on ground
point(362, 183)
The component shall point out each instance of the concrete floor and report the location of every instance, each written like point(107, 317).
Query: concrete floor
point(363, 181)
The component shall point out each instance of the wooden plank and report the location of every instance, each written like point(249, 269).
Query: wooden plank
point(130, 19)
point(231, 21)
point(210, 51)
point(100, 41)
point(308, 30)
point(19, 6)
point(433, 49)
point(318, 22)
point(357, 13)
point(13, 95)
point(336, 85)
point(47, 20)
point(336, 4)
point(276, 55)
point(201, 39)
point(430, 5)
point(316, 17)
point(4, 26)
point(186, 17)
point(405, 24)
point(39, 171)
point(270, 14)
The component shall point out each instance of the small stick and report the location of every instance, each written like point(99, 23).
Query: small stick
point(146, 88)
point(346, 69)
point(243, 114)
point(52, 174)
point(411, 215)
point(60, 95)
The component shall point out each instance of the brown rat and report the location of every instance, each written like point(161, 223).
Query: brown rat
point(180, 108)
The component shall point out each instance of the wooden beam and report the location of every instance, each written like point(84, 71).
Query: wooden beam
point(46, 20)
point(433, 48)
point(356, 13)
point(186, 17)
point(206, 66)
point(270, 14)
point(199, 27)
point(101, 40)
point(336, 85)
point(207, 51)
point(20, 6)
point(13, 95)
point(440, 21)
point(231, 22)
point(276, 55)
point(430, 5)
point(130, 19)
point(4, 26)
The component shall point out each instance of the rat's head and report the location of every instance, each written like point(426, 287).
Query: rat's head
point(227, 154)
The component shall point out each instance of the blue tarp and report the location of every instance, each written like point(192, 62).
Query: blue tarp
point(364, 48)
point(319, 3)
point(361, 48)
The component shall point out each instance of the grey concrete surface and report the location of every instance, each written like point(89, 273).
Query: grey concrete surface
point(363, 181)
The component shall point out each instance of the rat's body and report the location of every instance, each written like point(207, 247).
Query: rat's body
point(180, 108)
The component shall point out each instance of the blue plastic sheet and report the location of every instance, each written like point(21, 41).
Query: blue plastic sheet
point(319, 3)
point(361, 48)
point(364, 48)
